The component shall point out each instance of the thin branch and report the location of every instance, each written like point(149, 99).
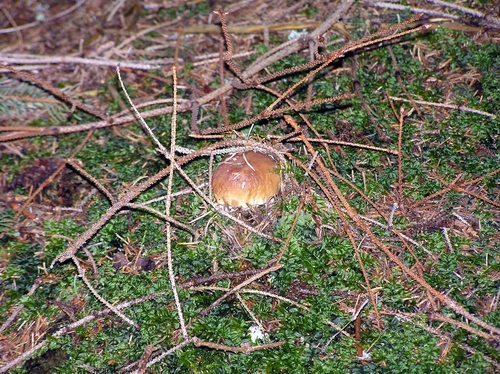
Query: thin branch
point(447, 106)
point(160, 146)
point(76, 165)
point(169, 219)
point(81, 272)
point(173, 135)
point(400, 160)
point(28, 131)
point(19, 308)
point(246, 349)
point(237, 288)
point(167, 353)
point(458, 188)
point(381, 4)
point(292, 229)
point(472, 12)
point(34, 59)
point(349, 144)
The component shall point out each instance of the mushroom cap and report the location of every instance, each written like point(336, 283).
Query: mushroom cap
point(250, 178)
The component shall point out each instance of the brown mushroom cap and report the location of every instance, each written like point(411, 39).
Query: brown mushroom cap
point(249, 178)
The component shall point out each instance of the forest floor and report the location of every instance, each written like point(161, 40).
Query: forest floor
point(381, 252)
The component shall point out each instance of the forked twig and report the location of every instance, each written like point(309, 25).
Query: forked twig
point(245, 283)
point(458, 188)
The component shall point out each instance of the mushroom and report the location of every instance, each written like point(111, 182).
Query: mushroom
point(246, 179)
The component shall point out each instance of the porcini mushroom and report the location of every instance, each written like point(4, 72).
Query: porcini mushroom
point(246, 179)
